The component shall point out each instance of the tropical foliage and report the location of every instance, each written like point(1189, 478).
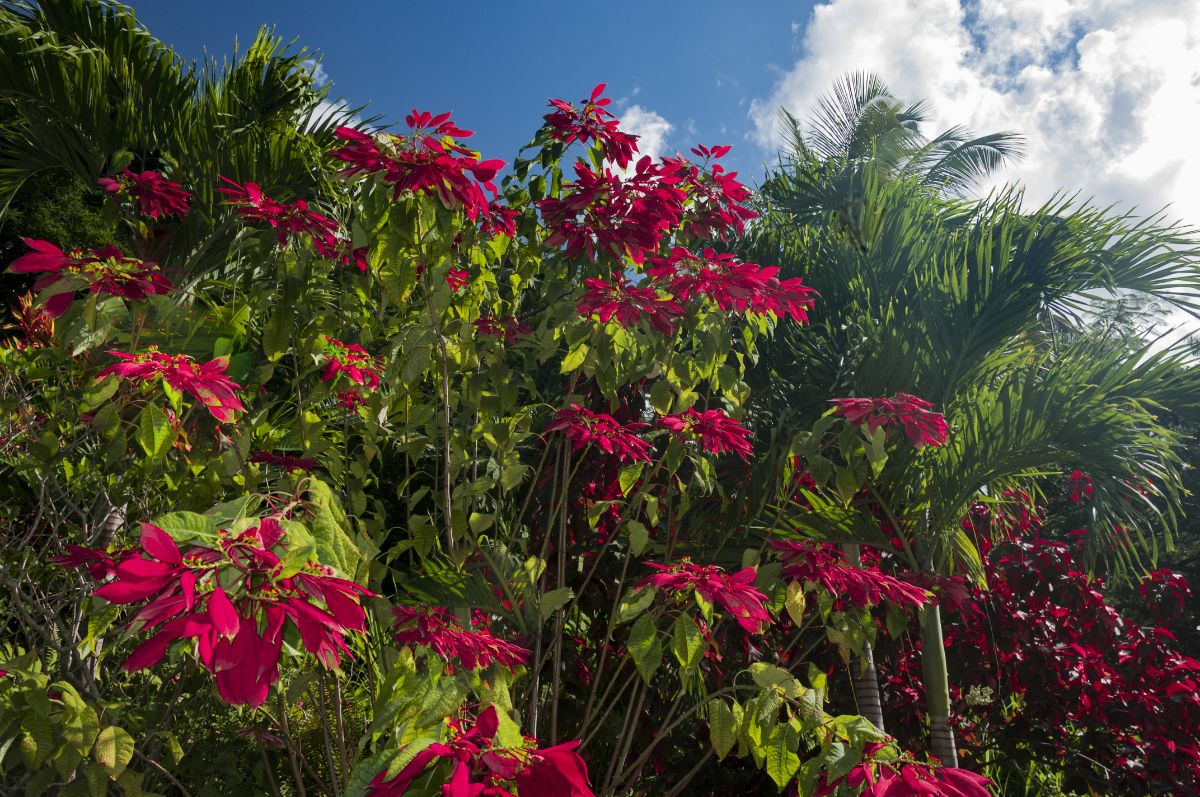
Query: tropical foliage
point(343, 459)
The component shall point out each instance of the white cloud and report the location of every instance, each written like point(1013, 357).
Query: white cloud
point(317, 69)
point(1106, 91)
point(650, 128)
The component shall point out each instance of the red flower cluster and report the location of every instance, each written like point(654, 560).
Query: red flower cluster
point(351, 400)
point(584, 427)
point(505, 326)
point(732, 285)
point(103, 270)
point(285, 461)
point(34, 327)
point(716, 200)
point(353, 361)
point(287, 219)
point(734, 593)
point(888, 777)
point(206, 383)
point(1076, 685)
point(218, 596)
point(341, 249)
point(605, 214)
point(426, 160)
point(435, 628)
point(716, 431)
point(627, 304)
point(821, 564)
point(152, 194)
point(479, 768)
point(1166, 594)
point(591, 121)
point(920, 424)
point(1080, 486)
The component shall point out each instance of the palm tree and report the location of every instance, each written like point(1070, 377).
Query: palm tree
point(93, 92)
point(966, 303)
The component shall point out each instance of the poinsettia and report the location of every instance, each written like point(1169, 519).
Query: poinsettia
point(152, 194)
point(591, 121)
point(731, 284)
point(353, 361)
point(717, 203)
point(922, 425)
point(716, 432)
point(435, 628)
point(821, 564)
point(234, 600)
point(733, 592)
point(288, 219)
point(505, 326)
point(285, 461)
point(627, 303)
point(103, 270)
point(584, 427)
point(480, 767)
point(604, 213)
point(206, 382)
point(428, 160)
point(1080, 486)
point(882, 774)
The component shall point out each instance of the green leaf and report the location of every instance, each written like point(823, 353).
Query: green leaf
point(638, 537)
point(722, 728)
point(574, 358)
point(187, 526)
point(335, 547)
point(113, 750)
point(768, 675)
point(782, 761)
point(96, 393)
point(645, 647)
point(686, 641)
point(301, 548)
point(794, 602)
point(661, 396)
point(554, 600)
point(634, 603)
point(629, 476)
point(153, 431)
point(277, 333)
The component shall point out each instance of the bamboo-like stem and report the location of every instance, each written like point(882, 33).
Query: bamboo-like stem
point(937, 687)
point(291, 750)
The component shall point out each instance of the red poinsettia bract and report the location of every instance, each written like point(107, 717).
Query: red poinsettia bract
point(716, 200)
point(605, 213)
point(733, 592)
point(584, 427)
point(731, 284)
point(627, 304)
point(288, 219)
point(353, 361)
point(153, 195)
point(205, 382)
point(426, 160)
point(234, 600)
point(503, 326)
point(592, 121)
point(716, 431)
point(480, 768)
point(905, 778)
point(821, 564)
point(435, 628)
point(1080, 486)
point(921, 424)
point(285, 461)
point(103, 270)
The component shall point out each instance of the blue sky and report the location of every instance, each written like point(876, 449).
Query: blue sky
point(1106, 91)
point(697, 63)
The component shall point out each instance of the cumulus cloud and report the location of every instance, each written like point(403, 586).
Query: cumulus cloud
point(1107, 92)
point(650, 128)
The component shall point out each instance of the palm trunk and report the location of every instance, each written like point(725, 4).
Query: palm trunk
point(863, 676)
point(937, 687)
